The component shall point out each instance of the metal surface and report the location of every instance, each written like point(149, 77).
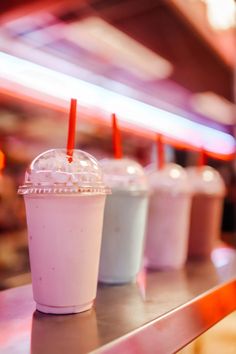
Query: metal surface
point(161, 313)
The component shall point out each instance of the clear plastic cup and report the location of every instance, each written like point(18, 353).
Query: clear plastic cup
point(206, 213)
point(64, 208)
point(168, 217)
point(124, 221)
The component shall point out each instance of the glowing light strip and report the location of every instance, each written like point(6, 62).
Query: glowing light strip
point(54, 84)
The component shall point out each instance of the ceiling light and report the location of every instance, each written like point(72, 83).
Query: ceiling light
point(103, 39)
point(17, 74)
point(215, 107)
point(221, 13)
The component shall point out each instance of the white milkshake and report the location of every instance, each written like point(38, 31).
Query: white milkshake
point(168, 217)
point(206, 213)
point(64, 207)
point(124, 221)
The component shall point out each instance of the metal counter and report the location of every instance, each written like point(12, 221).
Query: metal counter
point(161, 313)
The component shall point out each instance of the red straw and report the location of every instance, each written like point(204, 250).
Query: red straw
point(71, 129)
point(116, 138)
point(202, 159)
point(160, 152)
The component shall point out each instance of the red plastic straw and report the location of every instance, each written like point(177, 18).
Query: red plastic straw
point(116, 138)
point(160, 152)
point(71, 129)
point(202, 159)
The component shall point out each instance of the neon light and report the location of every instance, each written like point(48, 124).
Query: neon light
point(221, 13)
point(54, 84)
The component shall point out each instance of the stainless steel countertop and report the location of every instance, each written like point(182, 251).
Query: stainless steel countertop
point(161, 313)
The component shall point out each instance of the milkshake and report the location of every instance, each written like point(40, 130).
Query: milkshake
point(124, 221)
point(168, 217)
point(206, 213)
point(64, 202)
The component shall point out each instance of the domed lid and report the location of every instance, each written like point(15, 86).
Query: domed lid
point(124, 175)
point(171, 177)
point(207, 180)
point(52, 172)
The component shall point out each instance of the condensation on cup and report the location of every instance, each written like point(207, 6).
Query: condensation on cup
point(206, 213)
point(124, 221)
point(168, 217)
point(64, 208)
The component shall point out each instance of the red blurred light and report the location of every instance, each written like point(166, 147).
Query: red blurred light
point(2, 160)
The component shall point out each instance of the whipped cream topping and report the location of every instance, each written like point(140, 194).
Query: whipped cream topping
point(172, 178)
point(206, 180)
point(54, 172)
point(124, 175)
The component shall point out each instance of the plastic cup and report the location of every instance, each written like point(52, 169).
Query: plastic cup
point(168, 217)
point(206, 213)
point(64, 208)
point(124, 221)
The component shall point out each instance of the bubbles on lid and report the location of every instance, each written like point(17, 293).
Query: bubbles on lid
point(53, 169)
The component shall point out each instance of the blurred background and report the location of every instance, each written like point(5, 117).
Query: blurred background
point(164, 67)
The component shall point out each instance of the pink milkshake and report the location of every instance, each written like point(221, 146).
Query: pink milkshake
point(64, 202)
point(206, 213)
point(168, 217)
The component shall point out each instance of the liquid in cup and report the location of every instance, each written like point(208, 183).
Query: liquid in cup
point(206, 213)
point(168, 217)
point(64, 208)
point(124, 221)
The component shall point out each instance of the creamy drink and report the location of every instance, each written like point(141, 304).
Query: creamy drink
point(206, 213)
point(124, 221)
point(64, 207)
point(168, 217)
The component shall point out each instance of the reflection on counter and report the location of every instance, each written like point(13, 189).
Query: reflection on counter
point(59, 334)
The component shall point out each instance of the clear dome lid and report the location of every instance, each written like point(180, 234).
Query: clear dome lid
point(124, 175)
point(206, 180)
point(171, 177)
point(52, 172)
